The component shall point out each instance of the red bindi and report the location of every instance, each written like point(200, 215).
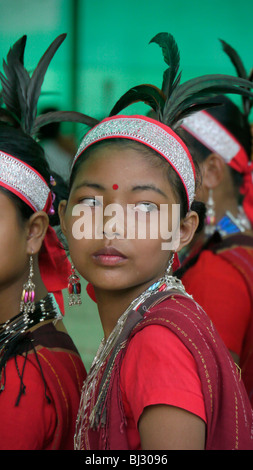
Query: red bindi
point(115, 186)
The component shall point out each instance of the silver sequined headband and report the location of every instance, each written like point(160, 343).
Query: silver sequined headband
point(23, 181)
point(208, 131)
point(152, 134)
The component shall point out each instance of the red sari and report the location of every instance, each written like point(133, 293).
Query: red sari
point(228, 411)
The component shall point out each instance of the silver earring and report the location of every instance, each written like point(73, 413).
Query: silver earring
point(210, 221)
point(27, 304)
point(74, 288)
point(168, 269)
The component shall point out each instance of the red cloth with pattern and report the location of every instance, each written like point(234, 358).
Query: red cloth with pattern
point(221, 281)
point(43, 416)
point(228, 411)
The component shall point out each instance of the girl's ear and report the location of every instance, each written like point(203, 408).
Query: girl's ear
point(37, 227)
point(188, 227)
point(213, 171)
point(61, 210)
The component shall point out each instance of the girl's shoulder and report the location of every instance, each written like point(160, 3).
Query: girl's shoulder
point(158, 368)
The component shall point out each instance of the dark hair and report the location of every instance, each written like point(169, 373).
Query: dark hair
point(15, 142)
point(151, 155)
point(230, 116)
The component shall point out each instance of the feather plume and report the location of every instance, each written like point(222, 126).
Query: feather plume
point(171, 57)
point(148, 94)
point(20, 92)
point(30, 88)
point(63, 116)
point(9, 94)
point(235, 59)
point(241, 72)
point(176, 100)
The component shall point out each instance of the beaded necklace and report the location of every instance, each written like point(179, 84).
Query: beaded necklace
point(45, 309)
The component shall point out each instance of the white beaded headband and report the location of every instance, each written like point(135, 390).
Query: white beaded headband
point(208, 131)
point(152, 134)
point(24, 181)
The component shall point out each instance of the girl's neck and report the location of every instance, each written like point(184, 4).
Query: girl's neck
point(225, 201)
point(112, 304)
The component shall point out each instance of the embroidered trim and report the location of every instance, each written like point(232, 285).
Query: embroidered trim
point(151, 135)
point(22, 179)
point(211, 134)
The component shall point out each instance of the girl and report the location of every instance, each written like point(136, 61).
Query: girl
point(218, 267)
point(162, 378)
point(41, 372)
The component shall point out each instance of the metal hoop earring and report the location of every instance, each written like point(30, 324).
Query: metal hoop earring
point(27, 304)
point(168, 269)
point(210, 222)
point(74, 288)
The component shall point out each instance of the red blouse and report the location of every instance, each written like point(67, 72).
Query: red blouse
point(220, 289)
point(158, 369)
point(36, 424)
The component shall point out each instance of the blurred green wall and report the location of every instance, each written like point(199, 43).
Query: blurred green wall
point(107, 51)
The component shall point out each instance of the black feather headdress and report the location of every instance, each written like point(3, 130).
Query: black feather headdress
point(174, 101)
point(241, 72)
point(20, 92)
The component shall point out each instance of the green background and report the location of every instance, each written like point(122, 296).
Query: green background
point(106, 52)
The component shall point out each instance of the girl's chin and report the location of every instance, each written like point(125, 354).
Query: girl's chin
point(115, 288)
point(109, 287)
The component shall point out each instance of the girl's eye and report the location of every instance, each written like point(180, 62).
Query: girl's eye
point(90, 202)
point(146, 207)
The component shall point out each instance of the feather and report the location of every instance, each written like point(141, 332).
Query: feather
point(190, 92)
point(235, 59)
point(175, 101)
point(63, 116)
point(10, 94)
point(8, 117)
point(31, 89)
point(241, 72)
point(171, 57)
point(148, 94)
point(20, 92)
point(198, 106)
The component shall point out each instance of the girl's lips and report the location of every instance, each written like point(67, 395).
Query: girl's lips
point(108, 256)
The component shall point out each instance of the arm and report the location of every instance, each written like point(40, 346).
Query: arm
point(171, 428)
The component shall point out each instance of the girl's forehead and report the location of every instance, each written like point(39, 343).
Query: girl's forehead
point(122, 170)
point(115, 171)
point(111, 158)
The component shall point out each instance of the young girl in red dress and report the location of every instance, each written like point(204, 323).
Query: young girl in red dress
point(41, 372)
point(162, 377)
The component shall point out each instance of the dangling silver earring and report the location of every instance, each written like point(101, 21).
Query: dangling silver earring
point(210, 221)
point(74, 288)
point(168, 269)
point(27, 304)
